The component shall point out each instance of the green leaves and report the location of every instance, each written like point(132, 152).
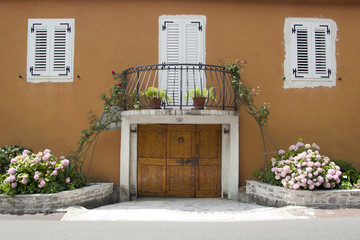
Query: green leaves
point(245, 94)
point(7, 153)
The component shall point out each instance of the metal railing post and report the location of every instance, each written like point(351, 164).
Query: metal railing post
point(181, 87)
point(223, 82)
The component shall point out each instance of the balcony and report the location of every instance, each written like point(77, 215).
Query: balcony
point(179, 82)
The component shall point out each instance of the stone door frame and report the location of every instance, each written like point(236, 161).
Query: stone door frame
point(230, 144)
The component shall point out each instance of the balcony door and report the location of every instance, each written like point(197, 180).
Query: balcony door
point(182, 40)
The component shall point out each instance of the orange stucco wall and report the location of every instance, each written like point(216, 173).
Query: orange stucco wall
point(114, 35)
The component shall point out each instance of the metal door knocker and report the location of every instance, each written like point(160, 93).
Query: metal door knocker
point(180, 139)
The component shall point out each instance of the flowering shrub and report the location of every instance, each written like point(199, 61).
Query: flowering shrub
point(302, 166)
point(6, 154)
point(39, 173)
point(246, 94)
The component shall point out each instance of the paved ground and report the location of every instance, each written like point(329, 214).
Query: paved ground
point(198, 210)
point(186, 210)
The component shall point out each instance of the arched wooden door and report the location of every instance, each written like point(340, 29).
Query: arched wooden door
point(179, 160)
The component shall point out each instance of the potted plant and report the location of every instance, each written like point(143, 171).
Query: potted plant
point(200, 96)
point(156, 97)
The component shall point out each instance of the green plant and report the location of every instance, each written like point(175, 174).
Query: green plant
point(198, 92)
point(246, 94)
point(245, 97)
point(344, 165)
point(40, 173)
point(7, 153)
point(153, 92)
point(266, 175)
point(115, 102)
point(350, 179)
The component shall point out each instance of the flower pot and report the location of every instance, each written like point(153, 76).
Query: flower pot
point(199, 103)
point(155, 103)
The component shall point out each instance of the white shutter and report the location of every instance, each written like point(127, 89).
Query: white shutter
point(60, 50)
point(181, 41)
point(322, 53)
point(300, 55)
point(38, 49)
point(193, 53)
point(50, 50)
point(310, 51)
point(171, 48)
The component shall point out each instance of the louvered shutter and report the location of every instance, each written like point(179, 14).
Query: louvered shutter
point(310, 51)
point(322, 51)
point(171, 53)
point(50, 49)
point(300, 51)
point(60, 49)
point(181, 41)
point(39, 49)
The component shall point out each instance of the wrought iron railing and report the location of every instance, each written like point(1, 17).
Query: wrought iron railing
point(176, 84)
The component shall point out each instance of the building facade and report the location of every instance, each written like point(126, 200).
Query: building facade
point(57, 58)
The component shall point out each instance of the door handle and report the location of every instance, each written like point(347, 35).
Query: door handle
point(182, 162)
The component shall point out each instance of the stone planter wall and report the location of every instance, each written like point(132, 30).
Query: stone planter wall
point(91, 196)
point(275, 196)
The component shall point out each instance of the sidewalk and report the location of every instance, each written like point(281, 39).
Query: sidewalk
point(198, 210)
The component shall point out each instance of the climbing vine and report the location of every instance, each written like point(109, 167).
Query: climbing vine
point(114, 103)
point(245, 96)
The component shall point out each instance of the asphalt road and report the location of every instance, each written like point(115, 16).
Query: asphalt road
point(321, 228)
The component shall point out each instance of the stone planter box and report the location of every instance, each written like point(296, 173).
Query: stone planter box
point(91, 196)
point(275, 196)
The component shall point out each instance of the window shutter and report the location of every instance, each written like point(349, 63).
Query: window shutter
point(193, 51)
point(182, 41)
point(170, 47)
point(300, 48)
point(60, 49)
point(50, 50)
point(322, 51)
point(310, 46)
point(39, 45)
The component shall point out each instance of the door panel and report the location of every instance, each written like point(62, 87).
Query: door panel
point(180, 149)
point(151, 171)
point(208, 171)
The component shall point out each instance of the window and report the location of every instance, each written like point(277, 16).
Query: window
point(310, 52)
point(181, 40)
point(50, 50)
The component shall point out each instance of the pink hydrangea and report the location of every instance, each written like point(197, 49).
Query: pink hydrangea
point(65, 162)
point(11, 171)
point(46, 157)
point(281, 152)
point(25, 152)
point(331, 171)
point(293, 148)
point(24, 181)
point(47, 151)
point(67, 180)
point(42, 183)
point(13, 185)
point(36, 160)
point(10, 179)
point(36, 176)
point(54, 173)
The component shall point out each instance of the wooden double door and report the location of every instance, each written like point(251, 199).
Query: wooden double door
point(179, 160)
